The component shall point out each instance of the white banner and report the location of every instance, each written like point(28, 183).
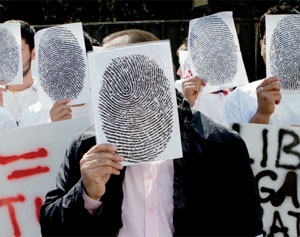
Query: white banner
point(29, 161)
point(275, 157)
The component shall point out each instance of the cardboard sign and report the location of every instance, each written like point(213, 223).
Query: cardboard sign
point(275, 157)
point(29, 162)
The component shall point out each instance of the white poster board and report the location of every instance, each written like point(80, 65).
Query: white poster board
point(275, 153)
point(11, 69)
point(134, 101)
point(62, 63)
point(29, 162)
point(214, 52)
point(283, 50)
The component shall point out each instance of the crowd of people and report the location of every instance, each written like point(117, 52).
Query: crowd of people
point(210, 191)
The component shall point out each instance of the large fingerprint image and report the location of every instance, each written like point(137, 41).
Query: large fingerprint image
point(285, 52)
point(62, 66)
point(135, 107)
point(213, 50)
point(9, 56)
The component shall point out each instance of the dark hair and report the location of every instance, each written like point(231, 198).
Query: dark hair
point(27, 32)
point(126, 37)
point(273, 11)
point(88, 42)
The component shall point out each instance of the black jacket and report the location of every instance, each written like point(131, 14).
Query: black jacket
point(214, 188)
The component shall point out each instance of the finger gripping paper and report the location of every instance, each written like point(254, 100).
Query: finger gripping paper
point(136, 117)
point(212, 44)
point(285, 52)
point(9, 56)
point(62, 67)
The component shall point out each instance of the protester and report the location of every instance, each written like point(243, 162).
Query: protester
point(40, 113)
point(211, 104)
point(210, 191)
point(17, 98)
point(62, 111)
point(262, 101)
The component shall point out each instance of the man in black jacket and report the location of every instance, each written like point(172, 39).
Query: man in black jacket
point(213, 188)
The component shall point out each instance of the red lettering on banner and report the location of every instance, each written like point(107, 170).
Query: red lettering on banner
point(38, 202)
point(40, 153)
point(12, 214)
point(17, 174)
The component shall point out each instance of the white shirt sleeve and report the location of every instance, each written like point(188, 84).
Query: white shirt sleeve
point(232, 110)
point(178, 85)
point(35, 114)
point(7, 121)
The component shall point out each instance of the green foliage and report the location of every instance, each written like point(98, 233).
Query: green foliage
point(63, 11)
point(294, 3)
point(66, 11)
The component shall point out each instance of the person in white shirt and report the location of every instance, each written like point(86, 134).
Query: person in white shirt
point(263, 101)
point(17, 98)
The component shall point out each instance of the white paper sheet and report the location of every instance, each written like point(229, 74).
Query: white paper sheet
point(134, 101)
point(11, 69)
point(214, 51)
point(62, 63)
point(283, 50)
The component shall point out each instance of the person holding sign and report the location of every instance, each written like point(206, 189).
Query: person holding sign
point(40, 113)
point(17, 98)
point(262, 101)
point(211, 104)
point(202, 193)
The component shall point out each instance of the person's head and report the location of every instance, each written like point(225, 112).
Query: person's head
point(126, 37)
point(183, 46)
point(28, 52)
point(88, 42)
point(262, 24)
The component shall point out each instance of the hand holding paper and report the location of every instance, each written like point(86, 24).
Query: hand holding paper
point(191, 87)
point(268, 95)
point(61, 111)
point(96, 166)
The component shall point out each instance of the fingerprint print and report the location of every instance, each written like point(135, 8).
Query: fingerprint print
point(213, 50)
point(285, 52)
point(61, 64)
point(9, 56)
point(136, 108)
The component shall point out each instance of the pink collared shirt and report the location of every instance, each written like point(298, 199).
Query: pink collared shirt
point(147, 208)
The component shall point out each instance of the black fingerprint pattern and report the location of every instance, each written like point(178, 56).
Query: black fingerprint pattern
point(9, 56)
point(213, 50)
point(136, 108)
point(61, 64)
point(285, 52)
